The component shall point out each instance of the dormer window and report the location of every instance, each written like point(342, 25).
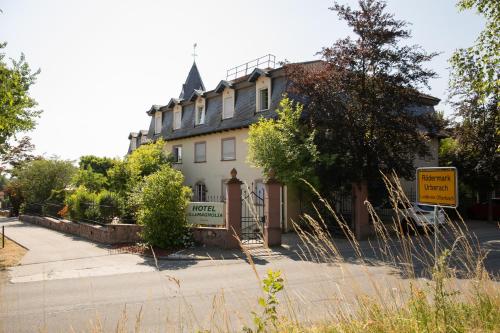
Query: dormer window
point(199, 112)
point(228, 103)
point(263, 93)
point(177, 117)
point(158, 121)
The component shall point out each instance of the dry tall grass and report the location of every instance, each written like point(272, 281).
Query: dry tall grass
point(449, 289)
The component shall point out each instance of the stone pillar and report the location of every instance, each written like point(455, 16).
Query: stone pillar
point(233, 211)
point(360, 212)
point(272, 211)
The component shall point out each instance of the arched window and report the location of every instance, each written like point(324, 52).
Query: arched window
point(200, 192)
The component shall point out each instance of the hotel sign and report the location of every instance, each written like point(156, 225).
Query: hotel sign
point(206, 213)
point(437, 187)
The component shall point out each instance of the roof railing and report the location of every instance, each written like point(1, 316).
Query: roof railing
point(267, 61)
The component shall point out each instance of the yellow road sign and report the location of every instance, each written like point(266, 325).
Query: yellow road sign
point(437, 186)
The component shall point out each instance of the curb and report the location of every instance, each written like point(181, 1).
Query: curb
point(174, 257)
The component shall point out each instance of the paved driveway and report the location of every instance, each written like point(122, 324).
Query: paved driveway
point(53, 255)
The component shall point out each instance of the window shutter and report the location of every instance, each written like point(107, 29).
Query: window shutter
point(228, 107)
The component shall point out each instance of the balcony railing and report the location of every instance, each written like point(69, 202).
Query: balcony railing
point(267, 61)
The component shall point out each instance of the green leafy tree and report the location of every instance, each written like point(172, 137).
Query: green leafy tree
point(97, 164)
point(91, 180)
point(17, 111)
point(162, 200)
point(118, 177)
point(474, 95)
point(17, 154)
point(146, 160)
point(93, 172)
point(284, 145)
point(360, 99)
point(39, 178)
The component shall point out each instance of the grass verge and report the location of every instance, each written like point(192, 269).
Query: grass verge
point(11, 254)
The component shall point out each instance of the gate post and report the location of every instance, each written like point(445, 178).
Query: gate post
point(272, 212)
point(233, 210)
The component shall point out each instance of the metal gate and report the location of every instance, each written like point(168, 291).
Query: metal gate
point(252, 217)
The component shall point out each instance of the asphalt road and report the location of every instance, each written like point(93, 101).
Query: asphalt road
point(65, 283)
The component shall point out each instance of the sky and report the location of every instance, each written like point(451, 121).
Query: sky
point(104, 63)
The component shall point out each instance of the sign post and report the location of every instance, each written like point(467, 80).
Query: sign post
point(438, 187)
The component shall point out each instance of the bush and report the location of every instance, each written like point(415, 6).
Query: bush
point(81, 205)
point(110, 205)
point(162, 200)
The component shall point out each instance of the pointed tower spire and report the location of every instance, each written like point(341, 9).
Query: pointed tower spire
point(193, 81)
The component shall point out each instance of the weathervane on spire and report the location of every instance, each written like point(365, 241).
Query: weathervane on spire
point(194, 52)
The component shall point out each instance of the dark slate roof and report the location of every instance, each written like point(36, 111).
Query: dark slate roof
point(193, 82)
point(173, 102)
point(244, 115)
point(256, 73)
point(245, 96)
point(196, 93)
point(153, 109)
point(223, 85)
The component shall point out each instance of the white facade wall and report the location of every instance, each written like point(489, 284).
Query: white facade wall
point(214, 171)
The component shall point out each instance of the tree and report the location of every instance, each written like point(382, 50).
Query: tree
point(97, 164)
point(283, 145)
point(118, 178)
point(15, 155)
point(16, 106)
point(146, 160)
point(39, 178)
point(474, 94)
point(162, 200)
point(93, 181)
point(360, 99)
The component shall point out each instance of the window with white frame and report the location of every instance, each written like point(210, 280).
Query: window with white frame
point(228, 104)
point(263, 99)
point(158, 121)
point(177, 117)
point(228, 148)
point(200, 192)
point(199, 106)
point(200, 152)
point(177, 153)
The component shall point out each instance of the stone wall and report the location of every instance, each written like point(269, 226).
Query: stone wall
point(218, 237)
point(108, 234)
